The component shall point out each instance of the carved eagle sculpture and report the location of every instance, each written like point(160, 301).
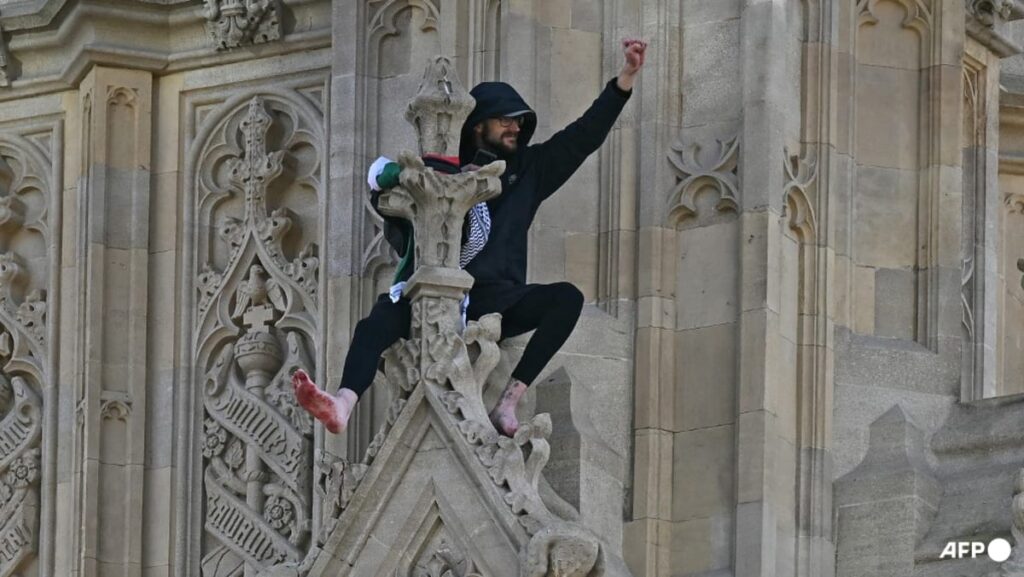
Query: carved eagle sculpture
point(256, 291)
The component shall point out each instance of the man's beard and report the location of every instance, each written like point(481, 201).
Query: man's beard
point(502, 142)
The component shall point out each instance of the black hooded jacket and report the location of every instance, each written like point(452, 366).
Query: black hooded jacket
point(532, 174)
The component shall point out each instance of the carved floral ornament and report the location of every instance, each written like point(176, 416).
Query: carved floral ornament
point(698, 169)
point(236, 23)
point(257, 321)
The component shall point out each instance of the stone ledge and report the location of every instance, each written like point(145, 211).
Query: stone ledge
point(49, 53)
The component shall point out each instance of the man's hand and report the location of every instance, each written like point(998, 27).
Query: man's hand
point(634, 50)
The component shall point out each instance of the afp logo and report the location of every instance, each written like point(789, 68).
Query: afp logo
point(998, 550)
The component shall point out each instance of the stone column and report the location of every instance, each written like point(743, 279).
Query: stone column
point(112, 224)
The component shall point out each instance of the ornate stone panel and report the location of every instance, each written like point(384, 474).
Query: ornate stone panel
point(258, 177)
point(26, 185)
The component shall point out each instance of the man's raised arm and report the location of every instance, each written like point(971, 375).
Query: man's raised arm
point(562, 154)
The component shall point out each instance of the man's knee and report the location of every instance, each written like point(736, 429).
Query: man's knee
point(378, 332)
point(569, 297)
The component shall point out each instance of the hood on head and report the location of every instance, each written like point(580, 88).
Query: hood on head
point(494, 99)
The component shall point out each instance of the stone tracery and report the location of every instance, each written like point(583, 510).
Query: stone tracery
point(24, 190)
point(257, 319)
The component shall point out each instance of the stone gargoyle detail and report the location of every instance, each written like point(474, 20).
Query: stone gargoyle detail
point(438, 478)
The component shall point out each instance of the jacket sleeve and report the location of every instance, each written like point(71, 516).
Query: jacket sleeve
point(562, 154)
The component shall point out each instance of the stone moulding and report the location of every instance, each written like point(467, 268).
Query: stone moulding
point(52, 45)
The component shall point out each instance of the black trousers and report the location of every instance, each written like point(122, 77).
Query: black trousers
point(551, 310)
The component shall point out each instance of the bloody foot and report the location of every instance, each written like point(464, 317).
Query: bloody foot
point(503, 416)
point(333, 411)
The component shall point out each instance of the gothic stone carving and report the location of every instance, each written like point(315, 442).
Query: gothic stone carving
point(696, 172)
point(20, 433)
point(258, 318)
point(25, 188)
point(987, 12)
point(235, 23)
point(919, 14)
point(445, 561)
point(436, 203)
point(440, 203)
point(439, 108)
point(798, 212)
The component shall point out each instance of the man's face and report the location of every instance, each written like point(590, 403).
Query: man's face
point(499, 134)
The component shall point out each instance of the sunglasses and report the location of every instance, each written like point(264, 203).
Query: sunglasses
point(506, 121)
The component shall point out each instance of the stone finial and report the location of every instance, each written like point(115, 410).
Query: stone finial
point(439, 108)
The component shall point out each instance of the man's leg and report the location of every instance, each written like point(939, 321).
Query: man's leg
point(552, 311)
point(386, 323)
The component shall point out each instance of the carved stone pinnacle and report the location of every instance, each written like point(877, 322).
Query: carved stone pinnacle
point(437, 203)
point(439, 109)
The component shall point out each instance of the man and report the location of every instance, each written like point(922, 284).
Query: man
point(390, 317)
point(502, 124)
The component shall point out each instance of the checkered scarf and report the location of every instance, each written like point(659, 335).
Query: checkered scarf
point(479, 229)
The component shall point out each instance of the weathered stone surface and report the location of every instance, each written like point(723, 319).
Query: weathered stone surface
point(886, 505)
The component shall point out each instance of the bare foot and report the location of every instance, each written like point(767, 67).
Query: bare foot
point(503, 416)
point(332, 411)
point(504, 421)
